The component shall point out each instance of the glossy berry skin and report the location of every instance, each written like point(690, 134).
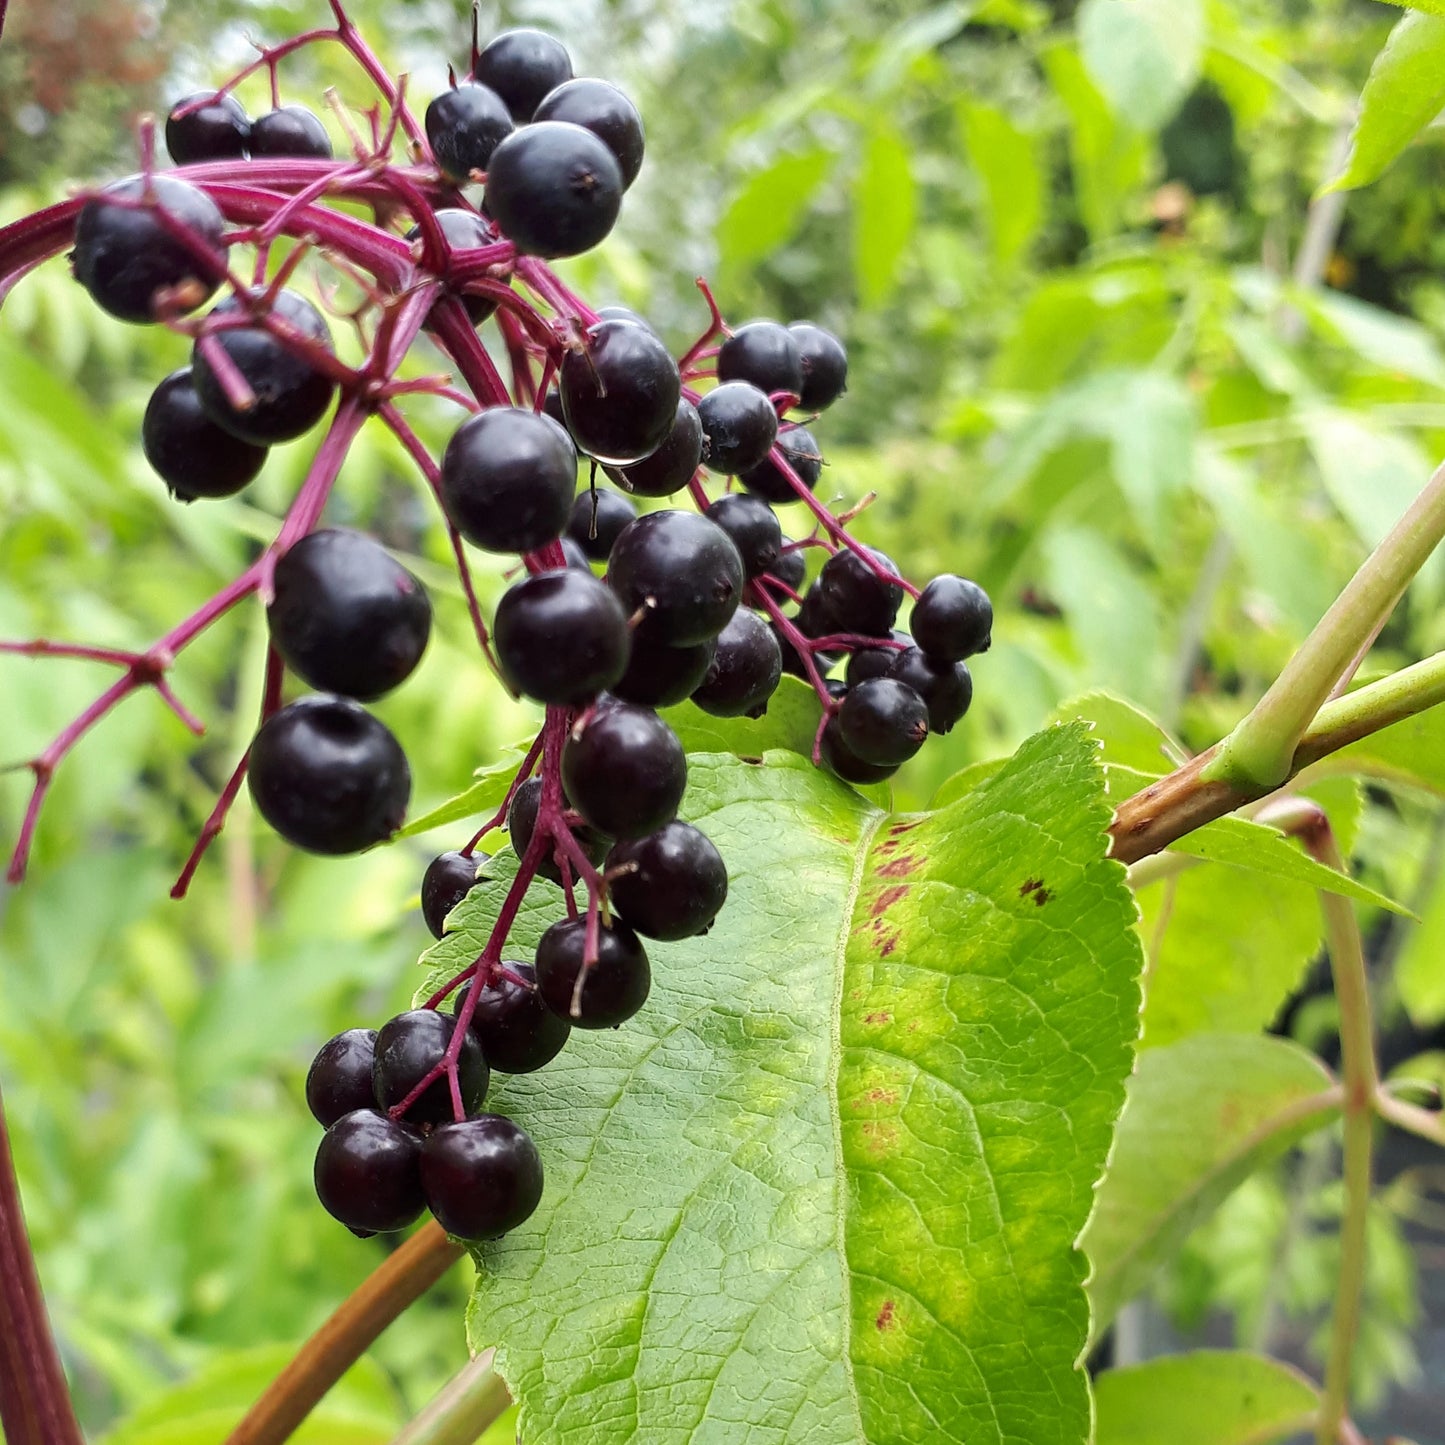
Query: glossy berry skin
point(408, 1048)
point(462, 230)
point(853, 598)
point(575, 556)
point(507, 479)
point(625, 313)
point(739, 427)
point(554, 189)
point(598, 517)
point(945, 687)
point(839, 758)
point(792, 659)
point(624, 770)
point(522, 66)
point(481, 1177)
point(754, 530)
point(124, 257)
point(216, 131)
point(765, 354)
point(449, 877)
point(790, 568)
point(616, 985)
point(869, 662)
point(517, 1031)
point(291, 396)
point(346, 616)
point(339, 1080)
point(883, 721)
point(952, 619)
point(746, 668)
point(621, 397)
point(674, 885)
point(561, 636)
point(672, 466)
point(522, 823)
point(368, 1173)
point(801, 452)
point(328, 777)
point(188, 451)
point(681, 571)
point(606, 112)
point(660, 676)
point(825, 365)
point(464, 126)
point(290, 130)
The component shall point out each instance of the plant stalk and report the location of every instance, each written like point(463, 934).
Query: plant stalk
point(474, 1398)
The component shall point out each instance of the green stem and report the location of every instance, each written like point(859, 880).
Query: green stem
point(1260, 750)
point(1369, 709)
point(472, 1399)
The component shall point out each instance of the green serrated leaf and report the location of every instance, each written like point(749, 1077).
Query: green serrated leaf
point(790, 722)
point(1404, 93)
point(1246, 1099)
point(1233, 1399)
point(884, 205)
point(770, 207)
point(1144, 55)
point(826, 1186)
point(485, 795)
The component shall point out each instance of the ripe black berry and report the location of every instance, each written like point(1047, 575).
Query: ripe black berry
point(575, 556)
point(765, 354)
point(853, 598)
point(883, 721)
point(800, 451)
point(790, 568)
point(620, 395)
point(739, 427)
point(291, 130)
point(746, 669)
point(554, 189)
point(825, 365)
point(339, 1080)
point(792, 659)
point(658, 675)
point(561, 636)
point(408, 1048)
point(346, 616)
point(522, 66)
point(189, 452)
point(449, 877)
point(507, 479)
point(517, 1031)
point(841, 759)
point(125, 255)
point(952, 619)
point(465, 125)
point(754, 530)
point(463, 230)
point(368, 1173)
point(606, 112)
point(672, 465)
point(682, 571)
point(668, 885)
point(481, 1177)
point(598, 516)
point(522, 823)
point(625, 313)
point(624, 770)
point(290, 395)
point(869, 662)
point(615, 986)
point(945, 687)
point(215, 131)
point(328, 777)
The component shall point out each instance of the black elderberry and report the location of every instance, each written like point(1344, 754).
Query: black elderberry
point(464, 126)
point(517, 1031)
point(464, 230)
point(952, 619)
point(128, 257)
point(507, 479)
point(522, 823)
point(449, 877)
point(346, 616)
point(368, 1173)
point(670, 884)
point(614, 986)
point(554, 189)
point(481, 1177)
point(659, 675)
point(624, 770)
point(328, 777)
point(790, 568)
point(825, 365)
point(800, 451)
point(754, 530)
point(190, 453)
point(739, 427)
point(621, 394)
point(408, 1048)
point(216, 130)
point(841, 759)
point(681, 572)
point(869, 662)
point(606, 112)
point(765, 354)
point(854, 598)
point(672, 466)
point(522, 66)
point(793, 659)
point(746, 668)
point(598, 516)
point(339, 1080)
point(290, 130)
point(883, 721)
point(575, 556)
point(561, 636)
point(945, 687)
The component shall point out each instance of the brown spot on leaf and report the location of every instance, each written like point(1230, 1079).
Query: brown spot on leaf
point(881, 1096)
point(887, 943)
point(898, 828)
point(885, 1319)
point(756, 762)
point(1035, 886)
point(879, 1135)
point(900, 867)
point(881, 1017)
point(887, 899)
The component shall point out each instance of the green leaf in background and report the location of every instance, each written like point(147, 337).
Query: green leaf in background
point(1007, 162)
point(1405, 92)
point(826, 1186)
point(484, 796)
point(1210, 1397)
point(1420, 971)
point(1144, 55)
point(769, 208)
point(1430, 7)
point(1411, 752)
point(1201, 1115)
point(1136, 749)
point(884, 204)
